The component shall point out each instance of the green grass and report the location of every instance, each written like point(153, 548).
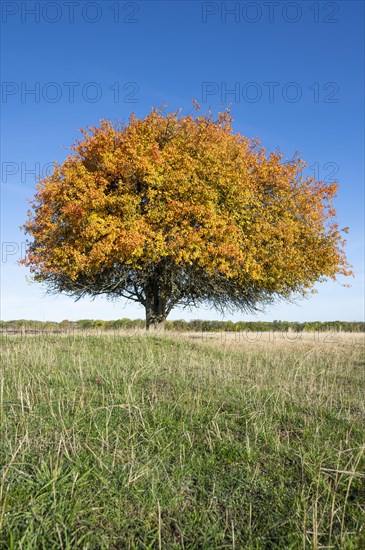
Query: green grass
point(163, 442)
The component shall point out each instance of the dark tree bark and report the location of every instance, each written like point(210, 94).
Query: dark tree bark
point(155, 304)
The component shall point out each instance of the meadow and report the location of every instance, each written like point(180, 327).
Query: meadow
point(182, 441)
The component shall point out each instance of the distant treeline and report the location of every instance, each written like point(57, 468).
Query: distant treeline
point(196, 325)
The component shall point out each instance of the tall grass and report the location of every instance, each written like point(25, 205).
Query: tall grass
point(168, 442)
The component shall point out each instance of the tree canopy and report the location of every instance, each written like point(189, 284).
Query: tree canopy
point(179, 209)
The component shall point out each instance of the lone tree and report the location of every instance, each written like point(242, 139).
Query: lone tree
point(180, 210)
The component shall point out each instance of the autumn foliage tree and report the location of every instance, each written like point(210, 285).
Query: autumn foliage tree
point(181, 210)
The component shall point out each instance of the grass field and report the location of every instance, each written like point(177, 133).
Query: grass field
point(176, 442)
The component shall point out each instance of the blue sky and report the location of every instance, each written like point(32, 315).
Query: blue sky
point(293, 72)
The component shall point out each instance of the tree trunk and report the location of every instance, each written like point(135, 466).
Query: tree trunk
point(155, 326)
point(155, 310)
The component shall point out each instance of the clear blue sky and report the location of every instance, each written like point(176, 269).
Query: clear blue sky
point(295, 72)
